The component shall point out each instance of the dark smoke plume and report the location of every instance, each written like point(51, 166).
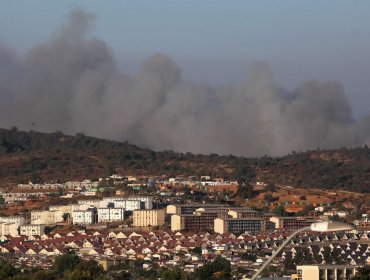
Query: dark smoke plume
point(71, 83)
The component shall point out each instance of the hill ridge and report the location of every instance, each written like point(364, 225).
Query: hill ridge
point(42, 156)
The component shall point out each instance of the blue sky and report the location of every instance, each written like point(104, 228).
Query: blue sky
point(216, 41)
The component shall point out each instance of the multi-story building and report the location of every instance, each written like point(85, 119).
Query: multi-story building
point(200, 219)
point(340, 214)
point(111, 214)
point(292, 222)
point(66, 209)
point(238, 225)
point(129, 205)
point(45, 186)
point(203, 218)
point(18, 220)
point(30, 230)
point(147, 201)
point(80, 207)
point(46, 217)
point(23, 195)
point(179, 209)
point(84, 217)
point(243, 213)
point(8, 229)
point(148, 217)
point(85, 184)
point(92, 202)
point(325, 272)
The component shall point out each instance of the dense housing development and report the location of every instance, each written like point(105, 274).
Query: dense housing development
point(177, 223)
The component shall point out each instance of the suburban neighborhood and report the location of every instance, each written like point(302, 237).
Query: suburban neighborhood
point(176, 222)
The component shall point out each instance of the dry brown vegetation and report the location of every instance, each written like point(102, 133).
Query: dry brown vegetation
point(35, 156)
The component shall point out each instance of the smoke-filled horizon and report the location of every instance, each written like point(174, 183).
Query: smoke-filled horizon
point(72, 83)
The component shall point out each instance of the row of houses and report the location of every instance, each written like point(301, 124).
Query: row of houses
point(17, 194)
point(164, 247)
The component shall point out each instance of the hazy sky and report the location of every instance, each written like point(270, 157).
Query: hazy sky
point(241, 77)
point(216, 41)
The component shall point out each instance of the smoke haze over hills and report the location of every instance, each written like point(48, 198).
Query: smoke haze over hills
point(72, 83)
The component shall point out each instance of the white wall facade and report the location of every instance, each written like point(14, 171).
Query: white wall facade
point(84, 217)
point(30, 230)
point(111, 214)
point(18, 220)
point(9, 229)
point(46, 217)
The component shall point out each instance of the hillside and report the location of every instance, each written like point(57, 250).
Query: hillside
point(39, 156)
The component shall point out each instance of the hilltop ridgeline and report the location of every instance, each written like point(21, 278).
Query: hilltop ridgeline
point(54, 156)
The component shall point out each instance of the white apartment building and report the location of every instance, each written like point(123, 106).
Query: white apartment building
point(147, 201)
point(18, 220)
point(111, 214)
point(46, 217)
point(148, 217)
point(8, 229)
point(80, 207)
point(83, 217)
point(30, 230)
point(341, 214)
point(109, 199)
point(46, 186)
point(85, 184)
point(66, 209)
point(93, 203)
point(129, 203)
point(23, 195)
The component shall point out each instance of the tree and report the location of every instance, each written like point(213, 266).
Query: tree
point(245, 190)
point(327, 255)
point(219, 269)
point(86, 270)
point(318, 259)
point(270, 187)
point(288, 263)
point(306, 210)
point(249, 256)
point(272, 271)
point(123, 275)
point(197, 250)
point(279, 211)
point(244, 173)
point(42, 274)
point(363, 273)
point(269, 198)
point(91, 266)
point(2, 200)
point(66, 262)
point(303, 256)
point(172, 274)
point(7, 270)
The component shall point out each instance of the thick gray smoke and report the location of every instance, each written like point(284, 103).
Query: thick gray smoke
point(71, 83)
